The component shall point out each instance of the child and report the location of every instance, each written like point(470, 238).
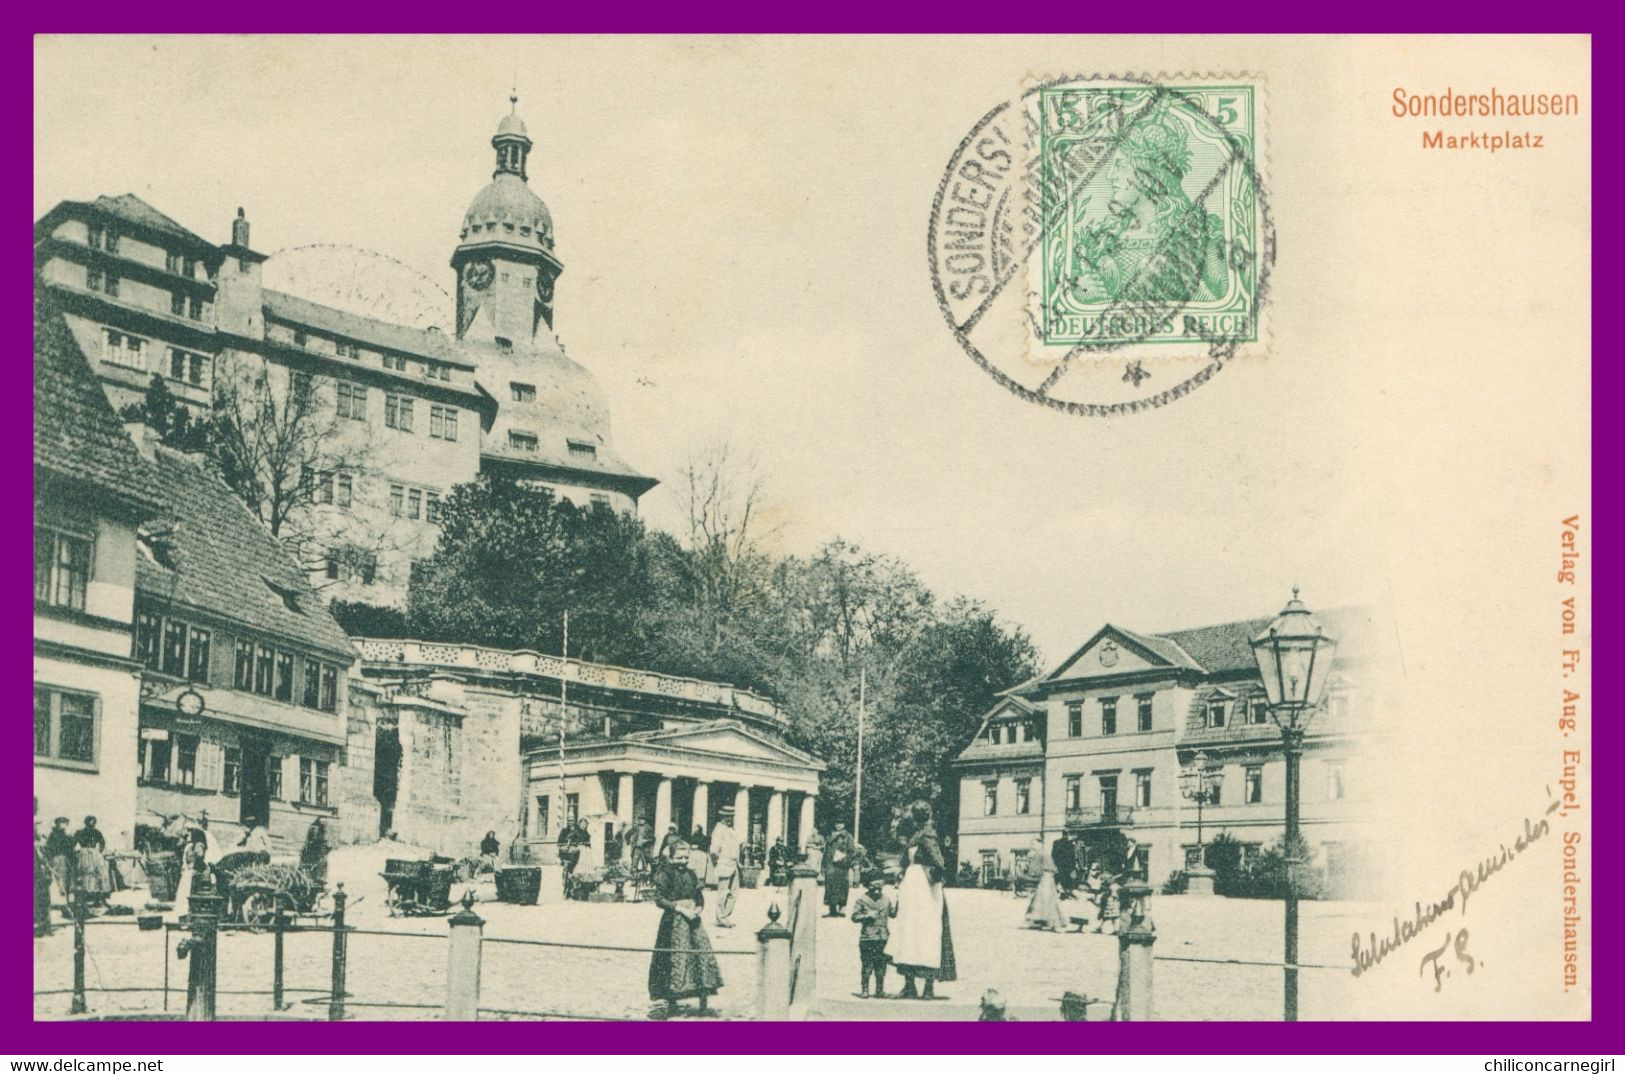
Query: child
point(873, 912)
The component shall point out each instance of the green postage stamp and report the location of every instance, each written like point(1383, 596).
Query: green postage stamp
point(1102, 244)
point(1148, 199)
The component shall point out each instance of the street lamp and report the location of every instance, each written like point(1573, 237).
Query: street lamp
point(1294, 655)
point(1200, 783)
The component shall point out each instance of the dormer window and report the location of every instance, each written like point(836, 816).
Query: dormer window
point(582, 450)
point(522, 393)
point(522, 441)
point(504, 344)
point(1216, 712)
point(289, 596)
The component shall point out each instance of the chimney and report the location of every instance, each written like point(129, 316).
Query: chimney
point(145, 438)
point(239, 229)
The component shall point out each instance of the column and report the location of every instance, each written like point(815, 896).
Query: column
point(808, 807)
point(623, 799)
point(662, 810)
point(702, 806)
point(775, 816)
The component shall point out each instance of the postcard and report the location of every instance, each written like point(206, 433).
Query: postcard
point(812, 528)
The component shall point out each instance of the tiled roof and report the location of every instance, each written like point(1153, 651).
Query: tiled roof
point(982, 750)
point(1226, 647)
point(76, 434)
point(380, 334)
point(1164, 646)
point(222, 561)
point(132, 209)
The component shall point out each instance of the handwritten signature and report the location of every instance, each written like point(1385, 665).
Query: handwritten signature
point(1368, 950)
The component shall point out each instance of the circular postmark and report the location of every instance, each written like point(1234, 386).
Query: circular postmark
point(1102, 244)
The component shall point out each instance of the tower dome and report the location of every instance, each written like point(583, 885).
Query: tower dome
point(508, 211)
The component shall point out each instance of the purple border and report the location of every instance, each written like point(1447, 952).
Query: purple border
point(23, 1034)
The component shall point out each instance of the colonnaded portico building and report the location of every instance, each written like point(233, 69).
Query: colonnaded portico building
point(448, 741)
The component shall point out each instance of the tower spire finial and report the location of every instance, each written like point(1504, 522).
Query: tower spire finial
point(513, 97)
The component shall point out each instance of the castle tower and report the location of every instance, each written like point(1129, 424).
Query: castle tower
point(505, 263)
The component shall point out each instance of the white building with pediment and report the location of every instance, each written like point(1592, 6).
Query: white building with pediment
point(1095, 748)
point(449, 741)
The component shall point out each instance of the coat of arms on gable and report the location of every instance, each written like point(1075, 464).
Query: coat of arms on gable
point(1107, 654)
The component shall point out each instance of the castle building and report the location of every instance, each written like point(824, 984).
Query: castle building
point(1096, 747)
point(375, 422)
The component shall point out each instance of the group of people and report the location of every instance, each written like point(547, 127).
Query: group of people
point(70, 866)
point(1056, 876)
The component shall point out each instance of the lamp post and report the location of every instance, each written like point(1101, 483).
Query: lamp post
point(1200, 783)
point(1294, 655)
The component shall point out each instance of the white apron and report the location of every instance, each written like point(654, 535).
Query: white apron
point(916, 934)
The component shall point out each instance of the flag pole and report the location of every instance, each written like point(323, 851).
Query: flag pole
point(564, 686)
point(857, 790)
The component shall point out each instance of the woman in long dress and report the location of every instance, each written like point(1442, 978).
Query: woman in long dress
point(921, 943)
point(683, 965)
point(92, 881)
point(1044, 910)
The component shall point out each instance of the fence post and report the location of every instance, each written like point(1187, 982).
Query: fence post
point(803, 934)
point(1134, 939)
point(773, 969)
point(279, 923)
point(201, 946)
point(335, 1002)
point(76, 907)
point(463, 963)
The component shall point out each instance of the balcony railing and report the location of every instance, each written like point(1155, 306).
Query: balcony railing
point(1099, 816)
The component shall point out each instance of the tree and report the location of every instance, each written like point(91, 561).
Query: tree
point(512, 559)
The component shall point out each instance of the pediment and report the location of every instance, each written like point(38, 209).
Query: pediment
point(729, 741)
point(1110, 652)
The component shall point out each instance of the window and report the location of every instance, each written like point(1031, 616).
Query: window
point(397, 500)
point(154, 758)
point(522, 393)
point(572, 807)
point(284, 677)
point(93, 279)
point(112, 286)
point(146, 640)
point(396, 362)
point(1108, 795)
point(321, 485)
point(97, 236)
point(1143, 703)
point(522, 441)
point(993, 733)
point(242, 666)
point(414, 503)
point(369, 568)
point(197, 655)
point(544, 814)
point(1024, 796)
point(120, 348)
point(194, 308)
point(1074, 792)
point(352, 401)
point(343, 490)
point(1074, 719)
point(1215, 713)
point(1253, 777)
point(299, 337)
point(443, 422)
point(185, 774)
point(263, 659)
point(65, 726)
point(1258, 710)
point(61, 567)
point(1108, 715)
point(1336, 787)
point(313, 684)
point(330, 687)
point(346, 349)
point(177, 304)
point(174, 654)
point(1142, 787)
point(186, 366)
point(990, 798)
point(600, 499)
point(504, 345)
point(330, 567)
point(313, 781)
point(231, 771)
point(172, 261)
point(1214, 792)
point(398, 412)
point(580, 450)
point(273, 777)
point(431, 507)
point(301, 385)
point(436, 370)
